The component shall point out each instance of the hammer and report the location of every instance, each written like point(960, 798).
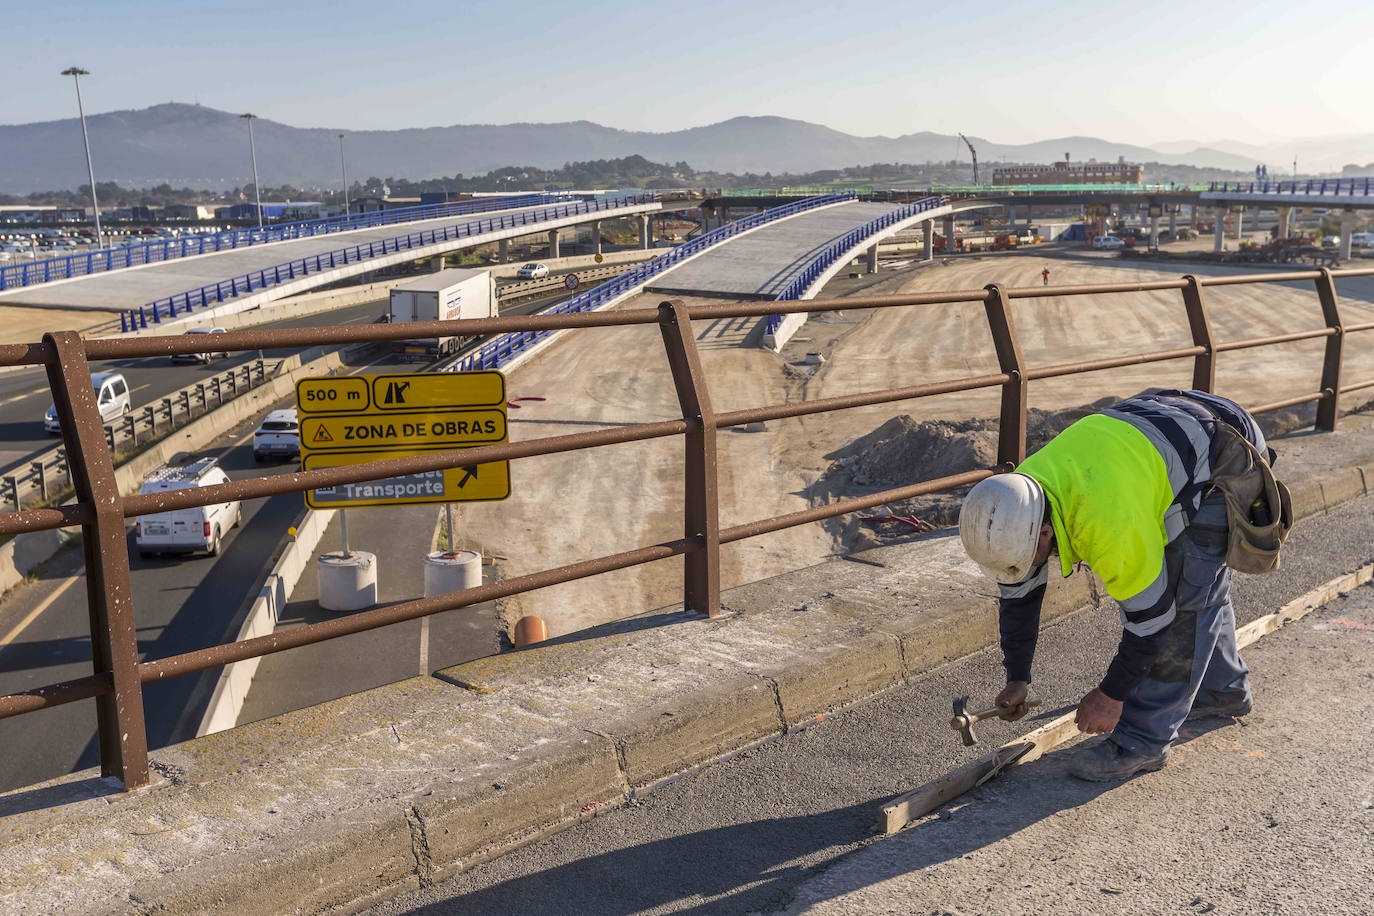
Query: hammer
point(964, 720)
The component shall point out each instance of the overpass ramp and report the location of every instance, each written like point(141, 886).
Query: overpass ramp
point(761, 263)
point(135, 287)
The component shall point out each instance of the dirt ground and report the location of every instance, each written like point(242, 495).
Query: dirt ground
point(582, 505)
point(27, 323)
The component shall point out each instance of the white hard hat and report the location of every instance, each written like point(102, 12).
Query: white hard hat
point(1000, 525)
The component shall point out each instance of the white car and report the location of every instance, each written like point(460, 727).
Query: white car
point(1108, 242)
point(201, 357)
point(186, 530)
point(111, 398)
point(279, 436)
point(533, 271)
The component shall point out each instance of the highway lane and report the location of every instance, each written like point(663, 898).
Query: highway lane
point(25, 396)
point(180, 604)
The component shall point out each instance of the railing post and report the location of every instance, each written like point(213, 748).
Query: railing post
point(1328, 408)
point(1205, 364)
point(1011, 435)
point(701, 518)
point(42, 476)
point(114, 643)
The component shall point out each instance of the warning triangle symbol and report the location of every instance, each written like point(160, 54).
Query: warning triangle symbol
point(322, 435)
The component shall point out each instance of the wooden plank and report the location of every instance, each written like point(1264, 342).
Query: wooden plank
point(906, 808)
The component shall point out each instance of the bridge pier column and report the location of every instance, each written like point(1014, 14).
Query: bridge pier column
point(1173, 223)
point(1347, 230)
point(503, 251)
point(1219, 237)
point(596, 237)
point(436, 263)
point(1240, 223)
point(949, 234)
point(928, 240)
point(646, 231)
point(1154, 230)
point(1285, 222)
point(553, 244)
point(873, 257)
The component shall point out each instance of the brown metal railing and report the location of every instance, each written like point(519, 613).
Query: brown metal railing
point(116, 683)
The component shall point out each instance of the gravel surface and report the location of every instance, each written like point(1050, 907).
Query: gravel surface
point(750, 834)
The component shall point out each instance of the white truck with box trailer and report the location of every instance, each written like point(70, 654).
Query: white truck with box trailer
point(446, 295)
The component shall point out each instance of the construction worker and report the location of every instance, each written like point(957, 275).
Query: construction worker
point(1128, 492)
point(1045, 276)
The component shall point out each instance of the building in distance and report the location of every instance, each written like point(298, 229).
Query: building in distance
point(1090, 172)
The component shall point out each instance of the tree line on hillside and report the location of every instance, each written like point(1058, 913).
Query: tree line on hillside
point(626, 172)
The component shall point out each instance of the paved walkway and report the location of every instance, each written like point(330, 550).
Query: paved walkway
point(1273, 816)
point(759, 264)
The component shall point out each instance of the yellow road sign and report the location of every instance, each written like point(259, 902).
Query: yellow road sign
point(473, 483)
point(354, 394)
point(352, 419)
point(373, 432)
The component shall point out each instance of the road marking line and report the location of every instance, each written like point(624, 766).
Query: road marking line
point(20, 397)
point(139, 388)
point(33, 614)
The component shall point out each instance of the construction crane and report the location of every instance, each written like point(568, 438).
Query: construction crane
point(974, 153)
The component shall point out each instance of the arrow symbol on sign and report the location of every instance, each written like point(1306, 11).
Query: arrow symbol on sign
point(471, 470)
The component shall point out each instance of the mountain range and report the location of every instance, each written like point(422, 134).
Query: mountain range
point(200, 147)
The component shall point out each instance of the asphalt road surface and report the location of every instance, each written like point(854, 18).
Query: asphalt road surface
point(745, 835)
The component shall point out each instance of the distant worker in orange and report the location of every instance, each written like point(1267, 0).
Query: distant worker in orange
point(1045, 276)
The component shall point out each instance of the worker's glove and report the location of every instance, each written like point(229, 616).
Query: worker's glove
point(1014, 696)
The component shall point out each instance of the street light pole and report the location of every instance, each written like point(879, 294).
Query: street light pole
point(343, 171)
point(76, 73)
point(252, 150)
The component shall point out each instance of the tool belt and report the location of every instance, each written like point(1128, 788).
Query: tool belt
point(1259, 509)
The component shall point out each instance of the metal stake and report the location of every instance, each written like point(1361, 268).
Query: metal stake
point(343, 529)
point(448, 527)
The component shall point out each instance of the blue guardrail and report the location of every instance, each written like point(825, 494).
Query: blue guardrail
point(1320, 187)
point(507, 346)
point(104, 259)
point(828, 255)
point(200, 297)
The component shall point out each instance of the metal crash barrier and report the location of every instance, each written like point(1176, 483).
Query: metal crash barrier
point(116, 683)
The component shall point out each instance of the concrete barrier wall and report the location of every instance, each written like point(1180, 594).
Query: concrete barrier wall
point(226, 702)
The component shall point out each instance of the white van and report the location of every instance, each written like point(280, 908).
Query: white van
point(111, 398)
point(1108, 243)
point(1362, 240)
point(186, 530)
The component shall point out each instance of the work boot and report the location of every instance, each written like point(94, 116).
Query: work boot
point(1108, 761)
point(1232, 708)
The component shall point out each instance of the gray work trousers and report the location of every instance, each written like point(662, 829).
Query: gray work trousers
point(1199, 660)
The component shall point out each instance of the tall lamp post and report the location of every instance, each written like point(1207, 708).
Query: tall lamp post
point(343, 171)
point(252, 151)
point(76, 73)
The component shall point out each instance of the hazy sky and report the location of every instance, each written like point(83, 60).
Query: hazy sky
point(1141, 72)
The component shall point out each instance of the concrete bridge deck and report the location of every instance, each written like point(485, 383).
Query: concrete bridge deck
point(406, 785)
point(760, 263)
point(133, 287)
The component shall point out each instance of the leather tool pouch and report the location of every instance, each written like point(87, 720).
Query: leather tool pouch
point(1259, 510)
